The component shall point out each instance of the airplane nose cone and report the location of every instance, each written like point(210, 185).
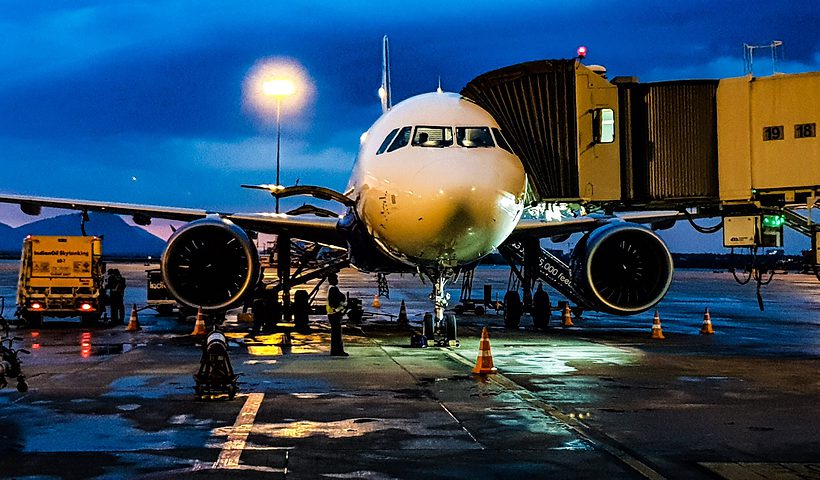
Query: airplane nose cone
point(454, 215)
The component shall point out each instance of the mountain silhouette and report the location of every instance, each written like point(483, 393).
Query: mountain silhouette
point(119, 238)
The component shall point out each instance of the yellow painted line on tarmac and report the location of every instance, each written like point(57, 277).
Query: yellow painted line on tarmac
point(238, 438)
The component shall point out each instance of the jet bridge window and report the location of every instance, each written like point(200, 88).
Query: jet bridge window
point(603, 125)
point(402, 139)
point(386, 142)
point(474, 137)
point(501, 141)
point(433, 137)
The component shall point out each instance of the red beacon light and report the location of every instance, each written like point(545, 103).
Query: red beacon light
point(582, 52)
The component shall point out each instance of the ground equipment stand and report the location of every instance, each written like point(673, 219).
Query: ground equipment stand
point(215, 376)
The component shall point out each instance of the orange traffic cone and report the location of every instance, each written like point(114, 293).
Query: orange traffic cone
point(656, 327)
point(199, 326)
point(133, 322)
point(706, 329)
point(566, 319)
point(376, 302)
point(484, 362)
point(403, 320)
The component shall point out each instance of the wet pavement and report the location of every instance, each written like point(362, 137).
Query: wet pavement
point(601, 399)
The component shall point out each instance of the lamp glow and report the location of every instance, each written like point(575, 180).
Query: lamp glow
point(278, 87)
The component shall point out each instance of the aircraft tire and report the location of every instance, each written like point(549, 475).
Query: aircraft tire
point(451, 324)
point(427, 326)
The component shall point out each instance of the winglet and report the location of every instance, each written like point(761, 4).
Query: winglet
point(384, 90)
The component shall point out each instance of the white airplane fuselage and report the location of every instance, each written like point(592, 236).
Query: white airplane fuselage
point(444, 202)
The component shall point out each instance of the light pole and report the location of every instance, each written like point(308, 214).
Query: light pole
point(278, 88)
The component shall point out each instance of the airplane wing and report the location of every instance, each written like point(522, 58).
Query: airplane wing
point(528, 228)
point(311, 228)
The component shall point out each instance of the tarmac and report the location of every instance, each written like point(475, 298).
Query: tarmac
point(601, 399)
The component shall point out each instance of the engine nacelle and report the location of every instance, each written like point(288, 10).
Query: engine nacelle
point(210, 263)
point(622, 268)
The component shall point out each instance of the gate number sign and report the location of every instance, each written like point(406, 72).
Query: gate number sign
point(773, 133)
point(801, 130)
point(804, 130)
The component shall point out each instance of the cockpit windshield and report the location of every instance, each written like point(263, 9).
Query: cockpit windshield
point(433, 137)
point(474, 137)
point(402, 139)
point(501, 141)
point(386, 142)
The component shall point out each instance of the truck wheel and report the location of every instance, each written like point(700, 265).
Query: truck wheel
point(33, 320)
point(90, 319)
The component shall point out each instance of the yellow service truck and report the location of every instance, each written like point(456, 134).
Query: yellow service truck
point(61, 277)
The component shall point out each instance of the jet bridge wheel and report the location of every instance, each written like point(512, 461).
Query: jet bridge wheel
point(513, 309)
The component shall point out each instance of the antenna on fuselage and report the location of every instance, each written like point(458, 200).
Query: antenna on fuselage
point(439, 90)
point(384, 90)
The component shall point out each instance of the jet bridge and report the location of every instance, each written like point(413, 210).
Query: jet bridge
point(743, 149)
point(717, 144)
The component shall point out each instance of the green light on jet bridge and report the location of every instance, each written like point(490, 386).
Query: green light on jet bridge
point(773, 221)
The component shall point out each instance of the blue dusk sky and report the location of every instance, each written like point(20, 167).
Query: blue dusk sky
point(143, 101)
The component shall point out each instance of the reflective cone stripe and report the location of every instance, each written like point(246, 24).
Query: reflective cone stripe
point(706, 329)
point(133, 322)
point(199, 326)
point(376, 302)
point(566, 319)
point(656, 327)
point(403, 313)
point(484, 362)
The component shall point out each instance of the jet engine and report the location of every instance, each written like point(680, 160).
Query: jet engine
point(210, 263)
point(622, 268)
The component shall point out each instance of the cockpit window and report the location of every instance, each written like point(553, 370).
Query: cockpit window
point(501, 141)
point(433, 137)
point(386, 142)
point(402, 139)
point(474, 137)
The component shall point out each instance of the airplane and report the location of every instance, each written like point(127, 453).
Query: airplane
point(434, 189)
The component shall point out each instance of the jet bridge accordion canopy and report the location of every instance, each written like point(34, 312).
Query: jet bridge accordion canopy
point(534, 104)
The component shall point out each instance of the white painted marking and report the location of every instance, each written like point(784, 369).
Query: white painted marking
point(238, 437)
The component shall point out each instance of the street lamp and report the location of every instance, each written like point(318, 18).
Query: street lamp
point(278, 88)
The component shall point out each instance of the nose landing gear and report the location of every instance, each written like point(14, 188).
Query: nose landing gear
point(440, 327)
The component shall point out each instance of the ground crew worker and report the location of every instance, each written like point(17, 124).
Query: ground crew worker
point(336, 303)
point(261, 310)
point(540, 308)
point(115, 284)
